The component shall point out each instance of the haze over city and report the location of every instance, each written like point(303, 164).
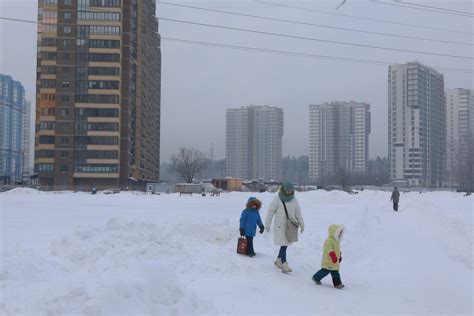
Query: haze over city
point(236, 157)
point(199, 82)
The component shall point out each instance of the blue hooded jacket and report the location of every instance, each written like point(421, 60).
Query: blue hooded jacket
point(250, 218)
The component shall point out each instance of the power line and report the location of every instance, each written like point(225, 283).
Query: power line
point(312, 24)
point(314, 39)
point(301, 54)
point(287, 36)
point(364, 18)
point(433, 7)
point(399, 4)
point(273, 51)
point(19, 20)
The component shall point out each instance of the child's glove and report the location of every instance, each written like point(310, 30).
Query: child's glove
point(242, 231)
point(262, 228)
point(340, 257)
point(333, 256)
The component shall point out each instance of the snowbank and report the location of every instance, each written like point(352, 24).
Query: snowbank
point(65, 254)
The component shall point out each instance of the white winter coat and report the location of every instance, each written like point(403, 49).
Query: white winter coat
point(277, 210)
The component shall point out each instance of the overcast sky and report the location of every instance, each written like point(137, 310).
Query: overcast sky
point(200, 82)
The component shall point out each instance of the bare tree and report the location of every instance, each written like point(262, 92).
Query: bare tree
point(188, 163)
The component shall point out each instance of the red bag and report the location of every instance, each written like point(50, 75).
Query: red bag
point(242, 246)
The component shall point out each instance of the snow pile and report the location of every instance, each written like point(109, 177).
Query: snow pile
point(82, 254)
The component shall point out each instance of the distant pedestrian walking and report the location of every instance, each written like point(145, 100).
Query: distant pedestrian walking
point(395, 199)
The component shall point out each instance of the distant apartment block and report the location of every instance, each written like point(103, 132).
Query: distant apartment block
point(27, 143)
point(254, 142)
point(14, 131)
point(416, 124)
point(338, 140)
point(459, 129)
point(98, 94)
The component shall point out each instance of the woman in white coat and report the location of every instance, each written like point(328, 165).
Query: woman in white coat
point(286, 194)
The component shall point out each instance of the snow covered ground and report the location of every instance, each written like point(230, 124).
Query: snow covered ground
point(134, 254)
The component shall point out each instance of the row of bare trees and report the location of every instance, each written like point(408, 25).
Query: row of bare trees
point(461, 166)
point(188, 164)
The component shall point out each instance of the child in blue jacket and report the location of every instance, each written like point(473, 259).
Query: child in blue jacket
point(249, 220)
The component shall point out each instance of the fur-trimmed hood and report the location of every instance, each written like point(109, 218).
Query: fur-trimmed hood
point(253, 200)
point(334, 230)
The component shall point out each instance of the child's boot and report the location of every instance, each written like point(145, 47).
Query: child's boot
point(278, 263)
point(339, 286)
point(285, 268)
point(315, 281)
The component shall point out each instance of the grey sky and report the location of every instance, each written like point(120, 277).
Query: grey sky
point(199, 83)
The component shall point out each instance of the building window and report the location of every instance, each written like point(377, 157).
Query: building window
point(105, 3)
point(99, 84)
point(64, 154)
point(108, 127)
point(63, 168)
point(104, 71)
point(64, 140)
point(67, 29)
point(48, 83)
point(48, 42)
point(48, 69)
point(104, 43)
point(67, 15)
point(85, 30)
point(98, 16)
point(45, 154)
point(46, 125)
point(65, 84)
point(48, 28)
point(48, 111)
point(96, 168)
point(44, 167)
point(97, 98)
point(113, 58)
point(65, 112)
point(96, 140)
point(85, 113)
point(46, 139)
point(48, 55)
point(65, 98)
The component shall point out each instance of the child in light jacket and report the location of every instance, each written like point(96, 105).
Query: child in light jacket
point(331, 257)
point(249, 220)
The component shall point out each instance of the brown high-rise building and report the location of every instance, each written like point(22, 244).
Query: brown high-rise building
point(98, 94)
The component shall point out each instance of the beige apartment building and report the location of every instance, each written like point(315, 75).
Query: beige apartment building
point(98, 94)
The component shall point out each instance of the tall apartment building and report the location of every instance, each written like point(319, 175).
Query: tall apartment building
point(14, 118)
point(27, 143)
point(98, 93)
point(254, 142)
point(416, 124)
point(460, 132)
point(338, 140)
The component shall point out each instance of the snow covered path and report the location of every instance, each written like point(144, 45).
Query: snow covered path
point(137, 254)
